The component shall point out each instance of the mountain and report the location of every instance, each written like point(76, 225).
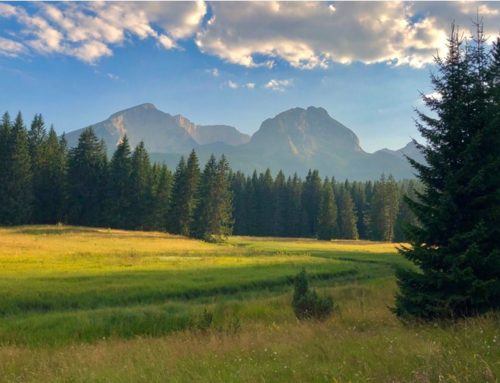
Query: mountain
point(211, 134)
point(295, 140)
point(160, 131)
point(409, 150)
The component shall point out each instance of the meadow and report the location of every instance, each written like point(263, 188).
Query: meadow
point(98, 305)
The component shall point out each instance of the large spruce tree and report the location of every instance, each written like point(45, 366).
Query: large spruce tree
point(161, 191)
point(5, 137)
point(383, 209)
point(16, 191)
point(347, 228)
point(240, 205)
point(311, 200)
point(293, 213)
point(140, 188)
point(119, 198)
point(50, 180)
point(455, 245)
point(184, 197)
point(327, 225)
point(214, 211)
point(87, 175)
point(280, 205)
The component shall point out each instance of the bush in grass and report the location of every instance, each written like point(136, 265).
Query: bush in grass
point(204, 321)
point(306, 303)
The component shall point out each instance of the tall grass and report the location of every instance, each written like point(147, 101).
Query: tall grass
point(363, 342)
point(99, 305)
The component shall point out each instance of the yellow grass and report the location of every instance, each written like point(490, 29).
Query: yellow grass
point(99, 305)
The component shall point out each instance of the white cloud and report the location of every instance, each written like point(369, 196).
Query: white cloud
point(91, 30)
point(312, 34)
point(91, 51)
point(166, 42)
point(7, 10)
point(10, 48)
point(278, 85)
point(306, 35)
point(232, 84)
point(250, 85)
point(214, 72)
point(113, 76)
point(436, 95)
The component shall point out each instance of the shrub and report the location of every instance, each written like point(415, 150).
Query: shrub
point(306, 303)
point(204, 321)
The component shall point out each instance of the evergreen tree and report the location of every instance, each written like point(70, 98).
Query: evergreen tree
point(140, 188)
point(5, 139)
point(346, 216)
point(252, 217)
point(280, 205)
point(265, 203)
point(161, 190)
point(185, 194)
point(293, 213)
point(214, 210)
point(240, 212)
point(311, 199)
point(87, 173)
point(405, 217)
point(327, 226)
point(16, 193)
point(177, 197)
point(455, 244)
point(37, 137)
point(384, 209)
point(359, 197)
point(50, 180)
point(119, 187)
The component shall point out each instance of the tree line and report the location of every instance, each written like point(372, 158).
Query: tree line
point(42, 181)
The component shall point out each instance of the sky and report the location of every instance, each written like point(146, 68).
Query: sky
point(234, 63)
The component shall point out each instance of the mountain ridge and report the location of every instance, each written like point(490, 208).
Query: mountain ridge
point(294, 141)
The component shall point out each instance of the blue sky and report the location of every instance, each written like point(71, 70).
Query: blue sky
point(236, 64)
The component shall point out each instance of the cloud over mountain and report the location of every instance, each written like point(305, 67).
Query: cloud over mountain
point(306, 35)
point(90, 30)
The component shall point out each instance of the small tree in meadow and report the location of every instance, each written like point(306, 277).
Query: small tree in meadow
point(306, 303)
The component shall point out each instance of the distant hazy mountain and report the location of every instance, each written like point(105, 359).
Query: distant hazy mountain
point(294, 141)
point(409, 150)
point(211, 134)
point(161, 132)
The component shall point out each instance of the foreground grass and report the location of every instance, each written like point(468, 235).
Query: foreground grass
point(97, 305)
point(64, 284)
point(362, 342)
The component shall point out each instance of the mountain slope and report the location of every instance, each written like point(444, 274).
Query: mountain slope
point(159, 131)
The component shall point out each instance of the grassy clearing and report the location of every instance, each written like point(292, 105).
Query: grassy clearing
point(64, 284)
point(96, 305)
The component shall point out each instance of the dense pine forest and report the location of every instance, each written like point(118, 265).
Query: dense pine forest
point(42, 181)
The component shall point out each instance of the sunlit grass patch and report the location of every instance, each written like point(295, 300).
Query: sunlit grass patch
point(94, 305)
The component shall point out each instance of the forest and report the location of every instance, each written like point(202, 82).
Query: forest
point(44, 182)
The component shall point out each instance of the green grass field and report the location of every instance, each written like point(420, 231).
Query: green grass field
point(97, 305)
